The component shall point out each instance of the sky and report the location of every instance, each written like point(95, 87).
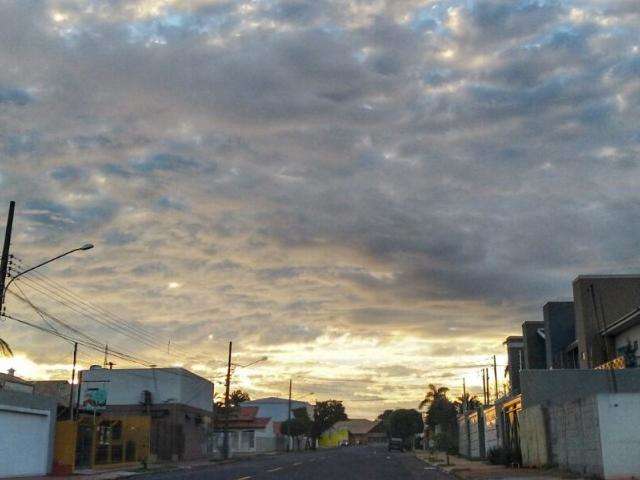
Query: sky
point(371, 194)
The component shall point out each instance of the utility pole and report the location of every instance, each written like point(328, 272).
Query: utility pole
point(225, 432)
point(106, 350)
point(484, 389)
point(4, 262)
point(73, 377)
point(465, 405)
point(495, 376)
point(289, 417)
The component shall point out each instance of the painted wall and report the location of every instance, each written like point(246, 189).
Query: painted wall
point(333, 437)
point(533, 437)
point(619, 418)
point(167, 385)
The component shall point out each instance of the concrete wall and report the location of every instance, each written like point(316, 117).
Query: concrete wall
point(463, 436)
point(548, 387)
point(167, 385)
point(34, 402)
point(559, 329)
point(490, 429)
point(534, 346)
point(515, 360)
point(574, 437)
point(600, 300)
point(476, 435)
point(533, 437)
point(619, 420)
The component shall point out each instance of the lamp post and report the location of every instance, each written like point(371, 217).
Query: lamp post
point(87, 246)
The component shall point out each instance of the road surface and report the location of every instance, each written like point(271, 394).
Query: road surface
point(346, 463)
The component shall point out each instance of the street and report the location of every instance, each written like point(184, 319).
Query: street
point(349, 463)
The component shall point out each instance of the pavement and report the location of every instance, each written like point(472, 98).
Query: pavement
point(347, 463)
point(464, 469)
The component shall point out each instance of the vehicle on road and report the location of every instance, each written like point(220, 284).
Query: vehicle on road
point(396, 444)
point(344, 443)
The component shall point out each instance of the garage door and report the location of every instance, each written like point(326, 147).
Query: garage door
point(24, 442)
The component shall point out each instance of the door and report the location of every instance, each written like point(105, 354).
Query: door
point(84, 446)
point(24, 442)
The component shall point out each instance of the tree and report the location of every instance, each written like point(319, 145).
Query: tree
point(235, 399)
point(472, 402)
point(300, 424)
point(384, 415)
point(433, 393)
point(326, 415)
point(5, 350)
point(404, 423)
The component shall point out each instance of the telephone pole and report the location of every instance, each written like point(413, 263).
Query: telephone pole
point(289, 419)
point(73, 377)
point(465, 406)
point(495, 376)
point(225, 432)
point(4, 262)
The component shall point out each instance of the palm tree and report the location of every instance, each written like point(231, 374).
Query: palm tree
point(5, 350)
point(433, 393)
point(472, 402)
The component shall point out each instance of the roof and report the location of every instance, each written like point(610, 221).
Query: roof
point(244, 417)
point(273, 401)
point(5, 377)
point(356, 426)
point(625, 322)
point(604, 276)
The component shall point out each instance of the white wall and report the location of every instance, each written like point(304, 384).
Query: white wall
point(619, 420)
point(278, 412)
point(167, 385)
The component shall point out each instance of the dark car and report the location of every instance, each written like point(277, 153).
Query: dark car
point(396, 444)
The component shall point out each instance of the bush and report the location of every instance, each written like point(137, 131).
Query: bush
point(504, 456)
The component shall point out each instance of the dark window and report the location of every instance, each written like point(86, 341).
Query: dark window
point(116, 430)
point(130, 451)
point(102, 454)
point(116, 453)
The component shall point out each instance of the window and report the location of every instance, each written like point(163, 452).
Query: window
point(130, 451)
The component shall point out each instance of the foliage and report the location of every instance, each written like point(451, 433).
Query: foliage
point(433, 393)
point(5, 350)
point(235, 399)
point(442, 412)
point(384, 415)
point(326, 415)
point(503, 456)
point(300, 424)
point(403, 423)
point(473, 402)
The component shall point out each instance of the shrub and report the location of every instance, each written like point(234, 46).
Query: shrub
point(504, 456)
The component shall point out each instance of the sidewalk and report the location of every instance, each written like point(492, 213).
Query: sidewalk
point(464, 469)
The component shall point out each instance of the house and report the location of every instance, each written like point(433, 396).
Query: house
point(278, 410)
point(354, 432)
point(604, 318)
point(515, 362)
point(9, 381)
point(560, 335)
point(248, 433)
point(179, 404)
point(534, 348)
point(28, 428)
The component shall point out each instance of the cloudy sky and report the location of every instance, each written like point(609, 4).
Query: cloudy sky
point(372, 194)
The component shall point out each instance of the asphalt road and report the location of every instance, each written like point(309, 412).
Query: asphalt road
point(347, 463)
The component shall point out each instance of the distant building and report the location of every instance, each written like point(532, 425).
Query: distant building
point(179, 402)
point(560, 335)
point(9, 381)
point(514, 362)
point(604, 319)
point(534, 345)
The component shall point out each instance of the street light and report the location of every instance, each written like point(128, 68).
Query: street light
point(86, 246)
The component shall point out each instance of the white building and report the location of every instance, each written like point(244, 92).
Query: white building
point(278, 408)
point(136, 386)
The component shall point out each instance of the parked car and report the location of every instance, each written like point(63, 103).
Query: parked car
point(344, 443)
point(396, 444)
